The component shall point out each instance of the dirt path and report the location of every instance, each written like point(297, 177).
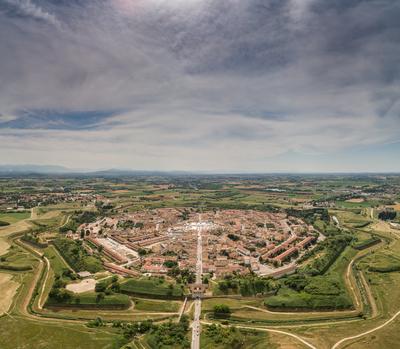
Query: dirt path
point(34, 214)
point(66, 222)
point(299, 312)
point(41, 301)
point(350, 283)
point(367, 332)
point(371, 299)
point(273, 331)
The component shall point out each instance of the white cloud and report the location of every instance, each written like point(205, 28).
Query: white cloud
point(7, 118)
point(29, 8)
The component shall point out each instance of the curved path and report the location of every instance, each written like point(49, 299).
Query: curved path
point(367, 332)
point(264, 329)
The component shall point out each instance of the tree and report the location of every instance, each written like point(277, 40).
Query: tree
point(100, 296)
point(222, 311)
point(100, 287)
point(170, 264)
point(387, 215)
point(142, 252)
point(233, 237)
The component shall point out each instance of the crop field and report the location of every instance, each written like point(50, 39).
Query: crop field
point(14, 217)
point(31, 334)
point(16, 259)
point(8, 287)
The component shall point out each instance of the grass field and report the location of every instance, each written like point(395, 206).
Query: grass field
point(156, 305)
point(227, 338)
point(57, 263)
point(8, 287)
point(18, 333)
point(152, 287)
point(16, 259)
point(233, 303)
point(6, 232)
point(14, 217)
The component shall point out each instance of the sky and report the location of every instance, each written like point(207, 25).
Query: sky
point(201, 85)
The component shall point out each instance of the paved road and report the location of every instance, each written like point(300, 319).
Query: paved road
point(196, 329)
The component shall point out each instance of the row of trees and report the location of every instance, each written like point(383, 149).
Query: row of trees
point(387, 215)
point(249, 285)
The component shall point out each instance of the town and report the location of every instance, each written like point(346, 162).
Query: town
point(234, 241)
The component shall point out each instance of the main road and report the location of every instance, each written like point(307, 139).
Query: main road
point(197, 303)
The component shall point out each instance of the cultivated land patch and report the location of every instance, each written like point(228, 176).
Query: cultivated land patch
point(4, 245)
point(14, 217)
point(5, 232)
point(32, 334)
point(8, 288)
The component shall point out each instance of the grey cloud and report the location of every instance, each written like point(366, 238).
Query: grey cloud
point(229, 77)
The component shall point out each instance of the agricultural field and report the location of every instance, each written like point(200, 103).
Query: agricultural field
point(14, 217)
point(9, 287)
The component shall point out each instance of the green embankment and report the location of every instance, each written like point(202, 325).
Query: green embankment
point(152, 287)
point(76, 256)
point(92, 300)
point(16, 259)
point(13, 217)
point(217, 337)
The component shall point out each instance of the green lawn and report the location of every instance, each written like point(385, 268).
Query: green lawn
point(13, 217)
point(151, 286)
point(57, 263)
point(156, 305)
point(27, 334)
point(208, 304)
point(324, 292)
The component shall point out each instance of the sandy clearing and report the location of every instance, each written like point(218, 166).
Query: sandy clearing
point(356, 200)
point(396, 207)
point(8, 288)
point(14, 228)
point(82, 286)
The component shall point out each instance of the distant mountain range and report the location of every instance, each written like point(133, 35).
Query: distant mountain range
point(33, 169)
point(53, 169)
point(26, 169)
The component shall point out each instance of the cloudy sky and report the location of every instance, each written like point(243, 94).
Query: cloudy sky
point(216, 85)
